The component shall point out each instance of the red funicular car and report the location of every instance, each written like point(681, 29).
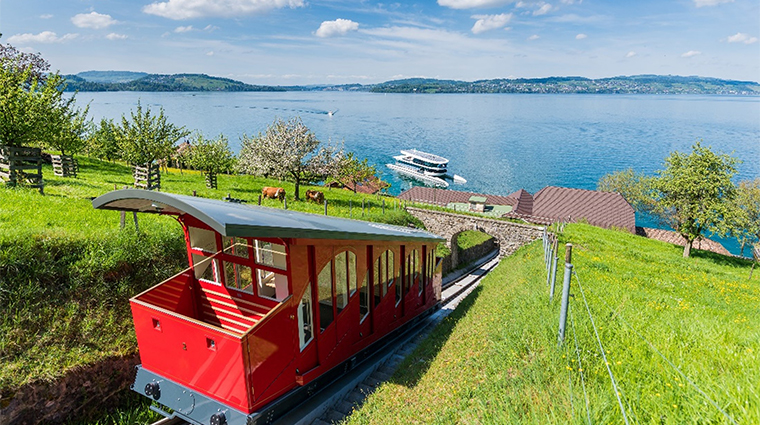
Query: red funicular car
point(275, 304)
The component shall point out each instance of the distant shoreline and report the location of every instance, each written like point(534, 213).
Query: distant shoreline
point(119, 81)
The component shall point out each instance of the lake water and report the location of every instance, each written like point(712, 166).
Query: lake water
point(498, 142)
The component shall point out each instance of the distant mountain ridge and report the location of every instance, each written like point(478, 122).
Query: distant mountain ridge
point(135, 81)
point(635, 84)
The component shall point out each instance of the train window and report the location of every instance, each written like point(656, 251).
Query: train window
point(391, 270)
point(236, 246)
point(270, 254)
point(324, 283)
point(202, 239)
point(305, 327)
point(238, 276)
point(341, 281)
point(378, 282)
point(417, 268)
point(207, 268)
point(364, 298)
point(351, 273)
point(272, 285)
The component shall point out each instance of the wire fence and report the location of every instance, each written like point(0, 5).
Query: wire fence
point(551, 258)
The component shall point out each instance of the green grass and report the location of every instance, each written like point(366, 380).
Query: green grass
point(470, 238)
point(67, 270)
point(495, 359)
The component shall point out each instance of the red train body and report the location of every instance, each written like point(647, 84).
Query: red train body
point(272, 301)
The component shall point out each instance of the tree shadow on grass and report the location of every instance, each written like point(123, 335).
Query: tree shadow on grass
point(416, 365)
point(720, 259)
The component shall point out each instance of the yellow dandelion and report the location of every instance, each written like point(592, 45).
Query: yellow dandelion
point(675, 406)
point(668, 384)
point(619, 362)
point(657, 394)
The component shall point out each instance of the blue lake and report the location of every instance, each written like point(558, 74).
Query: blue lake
point(498, 142)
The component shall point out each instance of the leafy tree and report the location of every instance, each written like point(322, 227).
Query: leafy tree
point(210, 156)
point(635, 187)
point(746, 226)
point(290, 151)
point(695, 191)
point(354, 171)
point(66, 125)
point(146, 138)
point(102, 143)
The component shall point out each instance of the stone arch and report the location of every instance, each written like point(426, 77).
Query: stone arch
point(509, 236)
point(452, 242)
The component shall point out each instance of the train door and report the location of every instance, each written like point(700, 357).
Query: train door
point(365, 293)
point(325, 306)
point(345, 282)
point(400, 286)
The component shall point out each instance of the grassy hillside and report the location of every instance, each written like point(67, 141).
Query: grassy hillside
point(496, 360)
point(67, 270)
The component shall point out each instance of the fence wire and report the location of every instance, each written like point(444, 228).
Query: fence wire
point(619, 316)
point(580, 368)
point(601, 348)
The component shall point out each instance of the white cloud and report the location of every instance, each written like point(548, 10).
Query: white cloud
point(336, 27)
point(183, 29)
point(210, 27)
point(93, 20)
point(581, 36)
point(46, 16)
point(700, 3)
point(546, 8)
point(114, 36)
point(43, 37)
point(187, 9)
point(472, 4)
point(490, 22)
point(533, 37)
point(691, 53)
point(630, 54)
point(741, 38)
point(211, 53)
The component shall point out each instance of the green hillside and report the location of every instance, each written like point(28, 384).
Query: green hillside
point(495, 359)
point(158, 83)
point(111, 76)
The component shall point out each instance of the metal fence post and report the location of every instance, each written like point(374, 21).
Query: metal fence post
point(383, 206)
point(565, 292)
point(554, 276)
point(325, 206)
point(350, 209)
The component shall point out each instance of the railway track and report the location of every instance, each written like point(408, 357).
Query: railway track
point(336, 401)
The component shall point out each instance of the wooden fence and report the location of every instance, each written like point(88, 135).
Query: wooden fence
point(65, 165)
point(147, 177)
point(21, 165)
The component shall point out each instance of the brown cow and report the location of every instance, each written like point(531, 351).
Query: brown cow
point(273, 192)
point(315, 196)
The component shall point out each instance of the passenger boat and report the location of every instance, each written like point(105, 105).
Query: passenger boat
point(428, 163)
point(418, 174)
point(274, 306)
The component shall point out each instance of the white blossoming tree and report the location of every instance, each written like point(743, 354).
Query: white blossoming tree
point(290, 151)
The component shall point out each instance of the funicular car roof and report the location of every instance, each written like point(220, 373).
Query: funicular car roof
point(233, 219)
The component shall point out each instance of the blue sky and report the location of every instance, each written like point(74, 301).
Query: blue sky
point(337, 41)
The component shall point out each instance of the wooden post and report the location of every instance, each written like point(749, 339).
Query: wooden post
point(325, 206)
point(123, 218)
point(134, 216)
point(195, 193)
point(350, 208)
point(383, 206)
point(362, 207)
point(285, 203)
point(259, 199)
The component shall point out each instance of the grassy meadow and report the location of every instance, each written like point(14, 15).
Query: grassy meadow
point(495, 359)
point(67, 270)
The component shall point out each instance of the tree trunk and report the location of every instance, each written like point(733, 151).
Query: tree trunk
point(687, 249)
point(298, 185)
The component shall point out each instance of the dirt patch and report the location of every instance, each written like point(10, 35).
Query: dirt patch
point(78, 395)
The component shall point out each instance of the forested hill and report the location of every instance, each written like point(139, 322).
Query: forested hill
point(637, 84)
point(101, 81)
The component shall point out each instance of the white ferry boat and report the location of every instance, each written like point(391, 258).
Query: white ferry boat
point(418, 174)
point(428, 163)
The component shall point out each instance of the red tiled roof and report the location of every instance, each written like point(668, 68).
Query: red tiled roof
point(603, 209)
point(524, 202)
point(431, 195)
point(676, 239)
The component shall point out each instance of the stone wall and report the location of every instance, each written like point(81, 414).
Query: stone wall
point(509, 236)
point(469, 255)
